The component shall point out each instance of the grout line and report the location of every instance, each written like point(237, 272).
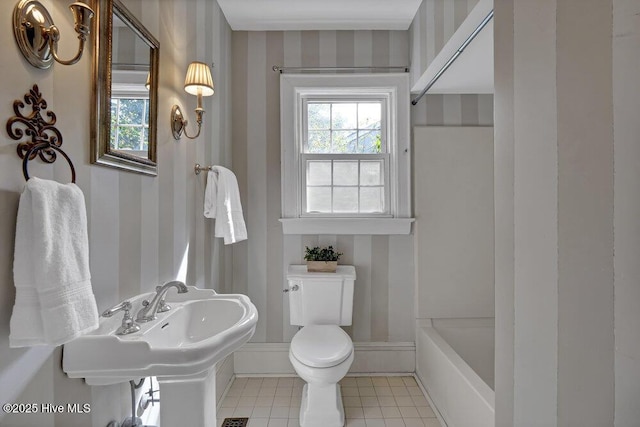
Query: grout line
point(224, 393)
point(283, 375)
point(435, 409)
point(265, 420)
point(379, 374)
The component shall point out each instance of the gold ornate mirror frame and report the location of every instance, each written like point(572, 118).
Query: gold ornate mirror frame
point(102, 151)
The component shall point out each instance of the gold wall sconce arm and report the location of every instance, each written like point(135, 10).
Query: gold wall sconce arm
point(38, 37)
point(200, 83)
point(179, 123)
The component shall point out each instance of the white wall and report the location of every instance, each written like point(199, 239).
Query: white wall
point(504, 213)
point(474, 341)
point(453, 175)
point(140, 228)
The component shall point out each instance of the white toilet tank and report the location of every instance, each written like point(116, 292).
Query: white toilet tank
point(321, 298)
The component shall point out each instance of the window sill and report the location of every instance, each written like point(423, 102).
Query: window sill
point(346, 225)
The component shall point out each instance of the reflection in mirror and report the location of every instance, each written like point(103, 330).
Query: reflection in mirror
point(129, 95)
point(126, 96)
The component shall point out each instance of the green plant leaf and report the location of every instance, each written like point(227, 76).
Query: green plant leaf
point(321, 254)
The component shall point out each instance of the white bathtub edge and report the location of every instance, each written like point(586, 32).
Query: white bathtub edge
point(473, 379)
point(458, 393)
point(441, 420)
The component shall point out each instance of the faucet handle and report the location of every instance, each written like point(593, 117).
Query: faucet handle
point(128, 325)
point(123, 306)
point(143, 315)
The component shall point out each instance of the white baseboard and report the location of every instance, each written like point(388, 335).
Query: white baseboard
point(370, 358)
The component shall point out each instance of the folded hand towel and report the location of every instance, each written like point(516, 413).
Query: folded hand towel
point(54, 299)
point(222, 202)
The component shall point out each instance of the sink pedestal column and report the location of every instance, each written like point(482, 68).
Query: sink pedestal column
point(188, 401)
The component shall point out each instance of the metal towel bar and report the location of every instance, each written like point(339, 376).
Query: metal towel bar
point(197, 168)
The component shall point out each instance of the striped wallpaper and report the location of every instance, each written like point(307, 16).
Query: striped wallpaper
point(143, 230)
point(146, 230)
point(384, 296)
point(433, 25)
point(383, 302)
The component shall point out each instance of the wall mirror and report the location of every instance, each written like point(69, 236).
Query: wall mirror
point(125, 96)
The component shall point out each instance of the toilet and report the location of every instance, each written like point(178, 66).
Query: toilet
point(321, 352)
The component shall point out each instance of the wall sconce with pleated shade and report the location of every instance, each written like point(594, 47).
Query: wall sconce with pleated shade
point(37, 36)
point(197, 82)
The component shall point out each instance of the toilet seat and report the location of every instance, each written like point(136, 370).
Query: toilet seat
point(321, 346)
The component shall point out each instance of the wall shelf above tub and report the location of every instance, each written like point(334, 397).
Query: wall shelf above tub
point(470, 71)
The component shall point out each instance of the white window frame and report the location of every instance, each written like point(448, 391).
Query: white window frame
point(294, 90)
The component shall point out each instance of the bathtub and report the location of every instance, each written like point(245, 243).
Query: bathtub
point(455, 363)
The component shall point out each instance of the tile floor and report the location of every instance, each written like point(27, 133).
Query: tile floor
point(368, 401)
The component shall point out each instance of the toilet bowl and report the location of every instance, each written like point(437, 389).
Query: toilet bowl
point(321, 355)
point(321, 352)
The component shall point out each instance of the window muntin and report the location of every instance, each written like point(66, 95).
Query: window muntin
point(344, 157)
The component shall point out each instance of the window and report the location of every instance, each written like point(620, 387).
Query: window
point(345, 141)
point(129, 112)
point(344, 157)
point(130, 124)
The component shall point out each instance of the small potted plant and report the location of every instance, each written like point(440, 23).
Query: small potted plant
point(322, 260)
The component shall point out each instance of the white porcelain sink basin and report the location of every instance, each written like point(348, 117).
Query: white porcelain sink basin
point(201, 328)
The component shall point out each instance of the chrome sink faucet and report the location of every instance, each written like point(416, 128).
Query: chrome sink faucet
point(128, 325)
point(157, 304)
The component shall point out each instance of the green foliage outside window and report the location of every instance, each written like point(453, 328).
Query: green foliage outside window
point(344, 127)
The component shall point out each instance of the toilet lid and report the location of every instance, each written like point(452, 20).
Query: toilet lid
point(321, 346)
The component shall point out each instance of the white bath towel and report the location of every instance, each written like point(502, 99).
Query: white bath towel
point(222, 202)
point(54, 299)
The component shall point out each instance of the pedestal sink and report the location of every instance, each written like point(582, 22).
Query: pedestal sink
point(180, 348)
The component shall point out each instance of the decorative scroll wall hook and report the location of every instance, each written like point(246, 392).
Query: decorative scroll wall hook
point(45, 138)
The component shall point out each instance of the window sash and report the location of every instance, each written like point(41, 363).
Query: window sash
point(384, 155)
point(345, 99)
point(385, 158)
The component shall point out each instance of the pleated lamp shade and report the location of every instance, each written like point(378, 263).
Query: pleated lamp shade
point(198, 77)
